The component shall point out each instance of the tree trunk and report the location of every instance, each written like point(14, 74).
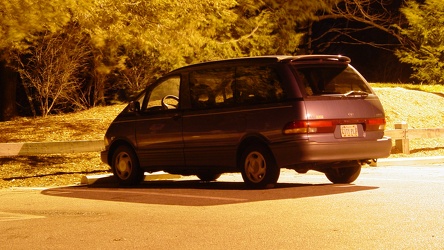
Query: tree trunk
point(8, 88)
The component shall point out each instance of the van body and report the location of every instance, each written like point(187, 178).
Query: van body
point(251, 115)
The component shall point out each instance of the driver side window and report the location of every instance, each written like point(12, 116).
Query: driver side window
point(168, 87)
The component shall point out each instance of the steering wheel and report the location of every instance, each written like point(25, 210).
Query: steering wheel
point(168, 106)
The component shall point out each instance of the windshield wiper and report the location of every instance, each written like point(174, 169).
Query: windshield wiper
point(355, 93)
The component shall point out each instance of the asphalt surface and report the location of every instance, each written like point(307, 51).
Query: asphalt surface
point(388, 207)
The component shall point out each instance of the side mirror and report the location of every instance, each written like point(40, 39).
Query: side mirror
point(134, 106)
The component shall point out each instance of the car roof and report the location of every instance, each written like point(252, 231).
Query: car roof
point(273, 59)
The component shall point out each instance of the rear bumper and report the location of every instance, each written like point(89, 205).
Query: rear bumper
point(297, 152)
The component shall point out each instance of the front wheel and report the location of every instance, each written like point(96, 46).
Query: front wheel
point(344, 175)
point(258, 167)
point(125, 166)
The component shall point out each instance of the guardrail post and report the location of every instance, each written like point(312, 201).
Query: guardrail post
point(403, 144)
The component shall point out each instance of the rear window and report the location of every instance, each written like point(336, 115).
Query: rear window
point(330, 80)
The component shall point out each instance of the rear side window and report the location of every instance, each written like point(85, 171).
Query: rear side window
point(225, 87)
point(212, 88)
point(258, 84)
point(326, 80)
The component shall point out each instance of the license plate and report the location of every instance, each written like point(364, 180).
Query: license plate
point(349, 130)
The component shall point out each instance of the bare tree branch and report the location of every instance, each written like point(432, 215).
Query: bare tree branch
point(50, 69)
point(371, 14)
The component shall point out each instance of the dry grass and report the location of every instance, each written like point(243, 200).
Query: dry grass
point(418, 108)
point(55, 170)
point(86, 125)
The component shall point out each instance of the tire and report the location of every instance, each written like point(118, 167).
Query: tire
point(208, 176)
point(344, 175)
point(125, 166)
point(258, 167)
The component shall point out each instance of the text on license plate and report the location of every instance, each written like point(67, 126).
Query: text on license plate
point(349, 130)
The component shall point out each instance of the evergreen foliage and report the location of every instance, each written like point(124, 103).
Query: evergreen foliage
point(22, 20)
point(426, 31)
point(126, 44)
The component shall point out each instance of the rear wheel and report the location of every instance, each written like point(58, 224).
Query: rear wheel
point(258, 167)
point(208, 176)
point(344, 175)
point(125, 166)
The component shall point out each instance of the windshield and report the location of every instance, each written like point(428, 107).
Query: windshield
point(331, 80)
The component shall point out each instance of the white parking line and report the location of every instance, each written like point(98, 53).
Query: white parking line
point(197, 196)
point(4, 216)
point(401, 180)
point(162, 194)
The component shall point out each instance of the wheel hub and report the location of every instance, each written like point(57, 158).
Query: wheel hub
point(255, 167)
point(123, 165)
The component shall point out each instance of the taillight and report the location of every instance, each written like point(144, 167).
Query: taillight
point(329, 126)
point(296, 127)
point(375, 124)
point(304, 127)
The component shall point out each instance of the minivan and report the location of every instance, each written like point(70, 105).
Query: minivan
point(252, 115)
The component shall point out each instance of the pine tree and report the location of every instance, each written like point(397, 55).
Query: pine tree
point(426, 31)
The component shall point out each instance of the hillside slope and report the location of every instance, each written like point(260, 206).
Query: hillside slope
point(419, 109)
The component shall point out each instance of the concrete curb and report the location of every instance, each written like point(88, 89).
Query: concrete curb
point(410, 161)
point(109, 178)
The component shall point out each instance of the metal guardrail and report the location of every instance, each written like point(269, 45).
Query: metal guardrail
point(401, 135)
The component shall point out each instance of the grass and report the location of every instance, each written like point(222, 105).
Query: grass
point(85, 125)
point(427, 88)
point(420, 106)
point(55, 170)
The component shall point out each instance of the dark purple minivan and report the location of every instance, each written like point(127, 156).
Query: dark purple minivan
point(251, 115)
